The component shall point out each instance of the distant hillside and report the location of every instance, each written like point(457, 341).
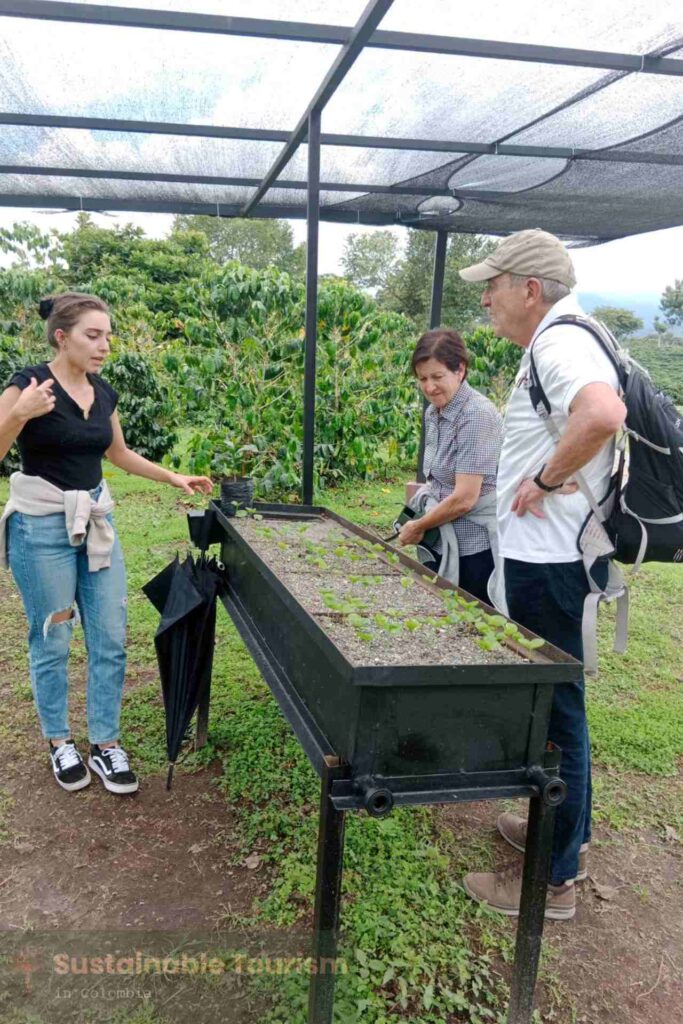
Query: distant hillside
point(645, 306)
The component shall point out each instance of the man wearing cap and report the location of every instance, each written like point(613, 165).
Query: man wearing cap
point(528, 280)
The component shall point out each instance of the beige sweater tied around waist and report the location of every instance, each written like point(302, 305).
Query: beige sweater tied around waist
point(86, 520)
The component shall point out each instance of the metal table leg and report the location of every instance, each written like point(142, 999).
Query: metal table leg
point(327, 897)
point(531, 910)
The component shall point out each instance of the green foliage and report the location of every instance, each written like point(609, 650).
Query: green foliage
point(145, 409)
point(219, 346)
point(256, 243)
point(671, 303)
point(663, 362)
point(214, 454)
point(494, 364)
point(621, 322)
point(11, 360)
point(29, 246)
point(409, 285)
point(242, 380)
point(369, 259)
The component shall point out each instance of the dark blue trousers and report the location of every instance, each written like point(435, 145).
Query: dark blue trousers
point(548, 599)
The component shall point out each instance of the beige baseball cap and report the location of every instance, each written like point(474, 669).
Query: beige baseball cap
point(533, 253)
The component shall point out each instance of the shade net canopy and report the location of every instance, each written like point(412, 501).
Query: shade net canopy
point(477, 118)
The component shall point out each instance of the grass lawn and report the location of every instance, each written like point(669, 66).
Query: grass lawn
point(418, 950)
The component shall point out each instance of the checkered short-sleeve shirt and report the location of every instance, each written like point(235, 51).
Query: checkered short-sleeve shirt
point(463, 437)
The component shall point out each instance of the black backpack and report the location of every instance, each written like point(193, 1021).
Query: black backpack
point(644, 504)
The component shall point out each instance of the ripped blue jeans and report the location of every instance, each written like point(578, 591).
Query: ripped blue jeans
point(52, 577)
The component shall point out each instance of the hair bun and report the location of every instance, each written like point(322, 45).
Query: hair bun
point(45, 308)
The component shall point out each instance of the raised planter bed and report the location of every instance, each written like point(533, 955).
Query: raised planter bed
point(401, 690)
point(406, 698)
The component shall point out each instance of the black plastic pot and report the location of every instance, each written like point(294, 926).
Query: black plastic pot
point(236, 493)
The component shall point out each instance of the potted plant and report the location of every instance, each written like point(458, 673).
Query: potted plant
point(227, 461)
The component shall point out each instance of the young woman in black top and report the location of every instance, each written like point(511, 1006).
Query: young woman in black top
point(61, 544)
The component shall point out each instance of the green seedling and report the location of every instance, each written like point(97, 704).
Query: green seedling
point(495, 620)
point(406, 582)
point(412, 624)
point(532, 645)
point(488, 642)
point(319, 563)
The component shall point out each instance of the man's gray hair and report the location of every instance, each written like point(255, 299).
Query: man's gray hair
point(551, 291)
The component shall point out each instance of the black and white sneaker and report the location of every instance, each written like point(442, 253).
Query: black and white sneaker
point(111, 764)
point(68, 767)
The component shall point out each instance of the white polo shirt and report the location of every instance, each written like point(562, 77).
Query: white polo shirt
point(567, 358)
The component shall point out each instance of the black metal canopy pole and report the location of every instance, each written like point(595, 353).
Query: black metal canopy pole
point(440, 247)
point(313, 225)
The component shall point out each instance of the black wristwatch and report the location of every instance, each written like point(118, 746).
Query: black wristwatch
point(545, 487)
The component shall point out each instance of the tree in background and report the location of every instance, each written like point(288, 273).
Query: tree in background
point(255, 243)
point(621, 322)
point(369, 259)
point(671, 303)
point(405, 280)
point(29, 246)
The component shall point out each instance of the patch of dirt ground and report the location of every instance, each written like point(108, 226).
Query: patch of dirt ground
point(620, 959)
point(89, 874)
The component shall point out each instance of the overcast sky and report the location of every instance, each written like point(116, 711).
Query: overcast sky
point(640, 265)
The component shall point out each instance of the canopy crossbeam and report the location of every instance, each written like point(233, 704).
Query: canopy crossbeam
point(337, 35)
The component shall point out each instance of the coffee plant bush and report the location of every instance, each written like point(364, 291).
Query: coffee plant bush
point(11, 360)
point(219, 349)
point(145, 408)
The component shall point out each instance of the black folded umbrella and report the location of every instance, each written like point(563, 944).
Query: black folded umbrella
point(185, 594)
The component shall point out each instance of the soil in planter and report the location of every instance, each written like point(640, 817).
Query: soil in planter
point(373, 608)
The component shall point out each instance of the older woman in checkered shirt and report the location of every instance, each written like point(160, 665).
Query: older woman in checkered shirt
point(463, 434)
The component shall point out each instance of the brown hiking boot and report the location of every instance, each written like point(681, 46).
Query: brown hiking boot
point(513, 830)
point(502, 891)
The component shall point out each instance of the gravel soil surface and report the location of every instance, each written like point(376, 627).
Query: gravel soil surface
point(373, 608)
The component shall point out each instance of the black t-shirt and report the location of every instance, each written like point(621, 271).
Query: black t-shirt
point(63, 446)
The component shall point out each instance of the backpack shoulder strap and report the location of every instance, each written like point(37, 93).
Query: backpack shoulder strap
point(539, 401)
point(608, 343)
point(616, 587)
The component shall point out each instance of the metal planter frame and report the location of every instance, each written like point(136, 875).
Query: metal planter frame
point(382, 736)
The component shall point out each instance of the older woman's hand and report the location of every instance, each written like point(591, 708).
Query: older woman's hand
point(191, 484)
point(411, 533)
